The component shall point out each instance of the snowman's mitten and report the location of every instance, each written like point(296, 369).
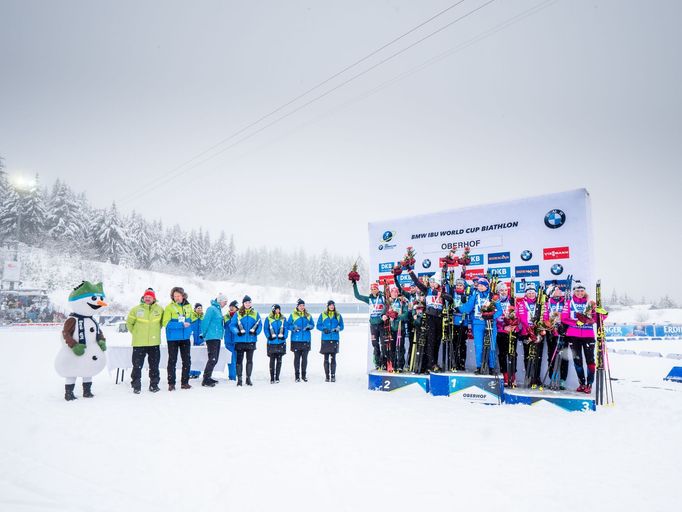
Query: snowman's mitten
point(103, 345)
point(78, 349)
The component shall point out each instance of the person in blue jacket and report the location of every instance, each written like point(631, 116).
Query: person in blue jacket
point(245, 325)
point(196, 334)
point(229, 341)
point(475, 305)
point(213, 330)
point(330, 323)
point(276, 331)
point(300, 324)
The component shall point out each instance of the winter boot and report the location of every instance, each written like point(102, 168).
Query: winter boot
point(588, 389)
point(326, 378)
point(208, 383)
point(154, 388)
point(68, 394)
point(171, 387)
point(248, 381)
point(478, 371)
point(239, 380)
point(333, 378)
point(305, 379)
point(581, 388)
point(185, 385)
point(87, 390)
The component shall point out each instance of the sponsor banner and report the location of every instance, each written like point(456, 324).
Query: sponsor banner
point(473, 272)
point(561, 283)
point(643, 330)
point(404, 279)
point(521, 286)
point(500, 272)
point(386, 279)
point(386, 266)
point(556, 253)
point(469, 388)
point(495, 258)
point(527, 271)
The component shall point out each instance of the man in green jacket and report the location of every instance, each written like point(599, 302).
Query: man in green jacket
point(144, 323)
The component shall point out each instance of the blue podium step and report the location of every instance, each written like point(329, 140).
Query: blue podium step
point(482, 389)
point(385, 381)
point(566, 400)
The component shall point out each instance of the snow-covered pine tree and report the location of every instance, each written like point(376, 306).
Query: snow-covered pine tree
point(231, 258)
point(33, 214)
point(111, 237)
point(219, 257)
point(140, 242)
point(63, 222)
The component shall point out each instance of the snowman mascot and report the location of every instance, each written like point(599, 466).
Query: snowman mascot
point(82, 353)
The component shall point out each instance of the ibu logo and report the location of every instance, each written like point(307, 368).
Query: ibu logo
point(387, 236)
point(386, 267)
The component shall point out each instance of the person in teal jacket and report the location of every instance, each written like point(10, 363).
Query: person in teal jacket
point(300, 324)
point(330, 323)
point(245, 325)
point(275, 331)
point(398, 312)
point(213, 330)
point(229, 341)
point(196, 334)
point(377, 314)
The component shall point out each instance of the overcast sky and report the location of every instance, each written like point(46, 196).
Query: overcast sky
point(114, 96)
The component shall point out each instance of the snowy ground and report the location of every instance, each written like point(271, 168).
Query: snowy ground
point(320, 446)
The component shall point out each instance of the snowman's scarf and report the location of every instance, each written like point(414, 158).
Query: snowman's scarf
point(80, 322)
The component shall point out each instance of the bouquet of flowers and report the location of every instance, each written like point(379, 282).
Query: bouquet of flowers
point(409, 260)
point(585, 318)
point(353, 275)
point(465, 259)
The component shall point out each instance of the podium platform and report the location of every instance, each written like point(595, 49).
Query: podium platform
point(385, 381)
point(468, 387)
point(566, 400)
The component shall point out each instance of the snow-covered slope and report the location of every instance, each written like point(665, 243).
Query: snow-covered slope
point(124, 286)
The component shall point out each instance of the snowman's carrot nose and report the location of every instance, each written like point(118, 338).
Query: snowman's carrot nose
point(100, 302)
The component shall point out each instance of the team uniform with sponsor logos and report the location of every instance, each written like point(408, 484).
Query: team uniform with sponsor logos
point(460, 323)
point(177, 337)
point(377, 308)
point(554, 310)
point(504, 324)
point(580, 337)
point(398, 311)
point(144, 323)
point(245, 325)
point(300, 325)
point(276, 332)
point(525, 313)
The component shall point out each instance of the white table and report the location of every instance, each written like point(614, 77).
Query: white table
point(120, 358)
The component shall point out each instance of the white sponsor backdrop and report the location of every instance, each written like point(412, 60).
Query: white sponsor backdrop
point(526, 238)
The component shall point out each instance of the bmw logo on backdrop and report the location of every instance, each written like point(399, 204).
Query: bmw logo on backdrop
point(426, 263)
point(555, 219)
point(557, 269)
point(526, 255)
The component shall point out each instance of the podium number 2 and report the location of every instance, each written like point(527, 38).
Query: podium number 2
point(387, 385)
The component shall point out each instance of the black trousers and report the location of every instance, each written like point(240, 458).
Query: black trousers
point(213, 349)
point(184, 348)
point(329, 364)
point(300, 362)
point(563, 362)
point(460, 346)
point(580, 346)
point(434, 334)
point(503, 348)
point(534, 373)
point(240, 362)
point(376, 334)
point(153, 355)
point(275, 366)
